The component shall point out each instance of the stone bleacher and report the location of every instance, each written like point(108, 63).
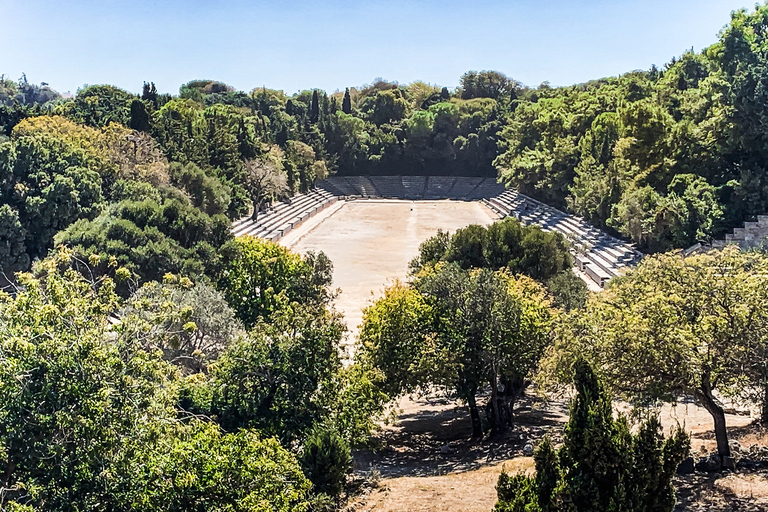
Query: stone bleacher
point(461, 188)
point(282, 217)
point(752, 235)
point(596, 253)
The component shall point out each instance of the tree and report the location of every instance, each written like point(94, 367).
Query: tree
point(601, 465)
point(205, 469)
point(149, 93)
point(675, 326)
point(190, 323)
point(89, 420)
point(264, 181)
point(504, 244)
point(275, 379)
point(314, 107)
point(262, 278)
point(493, 328)
point(396, 338)
point(346, 103)
point(13, 254)
point(75, 393)
point(53, 171)
point(463, 330)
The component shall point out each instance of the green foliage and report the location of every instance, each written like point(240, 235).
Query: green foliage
point(395, 337)
point(52, 174)
point(326, 460)
point(204, 469)
point(98, 106)
point(190, 323)
point(274, 379)
point(207, 193)
point(674, 326)
point(462, 330)
point(568, 290)
point(151, 239)
point(601, 465)
point(88, 421)
point(73, 399)
point(262, 278)
point(13, 255)
point(504, 244)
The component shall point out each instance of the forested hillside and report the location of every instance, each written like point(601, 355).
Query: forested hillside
point(664, 157)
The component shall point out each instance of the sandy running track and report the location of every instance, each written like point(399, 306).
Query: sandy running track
point(371, 242)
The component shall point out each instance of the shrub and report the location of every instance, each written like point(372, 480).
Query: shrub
point(326, 460)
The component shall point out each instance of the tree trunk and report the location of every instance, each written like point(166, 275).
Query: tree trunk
point(474, 414)
point(764, 408)
point(704, 395)
point(513, 389)
point(495, 414)
point(255, 214)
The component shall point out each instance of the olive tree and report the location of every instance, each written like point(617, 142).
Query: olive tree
point(675, 326)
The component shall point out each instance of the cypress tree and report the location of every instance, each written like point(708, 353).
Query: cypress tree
point(601, 465)
point(139, 119)
point(346, 104)
point(314, 108)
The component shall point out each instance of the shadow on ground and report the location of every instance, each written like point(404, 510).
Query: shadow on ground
point(433, 437)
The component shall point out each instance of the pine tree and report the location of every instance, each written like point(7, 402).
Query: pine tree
point(149, 93)
point(346, 104)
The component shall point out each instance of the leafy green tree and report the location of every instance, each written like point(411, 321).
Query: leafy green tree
point(314, 108)
point(206, 192)
point(674, 326)
point(504, 244)
point(139, 117)
point(486, 84)
point(463, 330)
point(396, 337)
point(274, 379)
point(204, 469)
point(99, 105)
point(53, 172)
point(262, 278)
point(75, 397)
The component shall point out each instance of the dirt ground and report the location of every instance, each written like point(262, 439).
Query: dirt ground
point(371, 242)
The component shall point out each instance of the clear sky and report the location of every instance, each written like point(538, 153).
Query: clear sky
point(297, 44)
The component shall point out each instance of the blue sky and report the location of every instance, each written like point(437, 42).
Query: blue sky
point(296, 44)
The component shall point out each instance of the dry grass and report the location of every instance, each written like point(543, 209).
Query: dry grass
point(461, 492)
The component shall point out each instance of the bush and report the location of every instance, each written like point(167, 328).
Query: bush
point(326, 460)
